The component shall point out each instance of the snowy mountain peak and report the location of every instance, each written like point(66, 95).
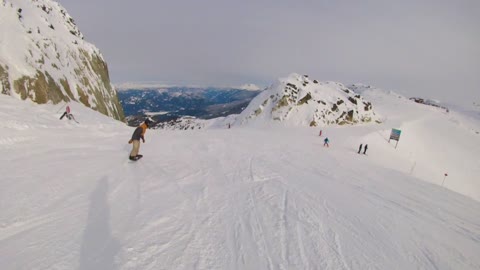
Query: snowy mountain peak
point(44, 57)
point(299, 100)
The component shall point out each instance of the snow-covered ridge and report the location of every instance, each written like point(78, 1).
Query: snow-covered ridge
point(44, 57)
point(250, 87)
point(298, 100)
point(182, 123)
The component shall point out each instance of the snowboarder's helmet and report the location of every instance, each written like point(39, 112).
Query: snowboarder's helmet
point(148, 122)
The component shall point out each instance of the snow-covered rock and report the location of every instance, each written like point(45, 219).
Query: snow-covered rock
point(182, 123)
point(299, 101)
point(44, 57)
point(193, 123)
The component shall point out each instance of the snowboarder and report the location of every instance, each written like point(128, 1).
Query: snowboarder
point(365, 149)
point(68, 114)
point(320, 133)
point(138, 134)
point(325, 142)
point(360, 148)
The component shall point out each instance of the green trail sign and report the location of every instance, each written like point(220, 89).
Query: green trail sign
point(395, 135)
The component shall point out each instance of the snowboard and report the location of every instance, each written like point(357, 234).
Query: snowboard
point(137, 157)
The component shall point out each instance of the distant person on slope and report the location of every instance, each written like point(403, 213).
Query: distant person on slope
point(360, 148)
point(325, 142)
point(138, 134)
point(365, 149)
point(68, 114)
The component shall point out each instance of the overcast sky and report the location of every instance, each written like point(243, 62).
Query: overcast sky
point(415, 47)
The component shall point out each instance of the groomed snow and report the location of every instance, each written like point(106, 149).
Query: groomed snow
point(242, 198)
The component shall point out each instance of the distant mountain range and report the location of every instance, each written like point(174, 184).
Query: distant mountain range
point(295, 100)
point(172, 102)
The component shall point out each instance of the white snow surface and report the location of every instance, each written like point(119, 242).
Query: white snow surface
point(248, 197)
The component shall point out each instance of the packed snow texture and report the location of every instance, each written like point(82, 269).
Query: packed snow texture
point(248, 197)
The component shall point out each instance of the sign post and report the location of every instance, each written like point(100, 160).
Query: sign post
point(395, 135)
point(445, 176)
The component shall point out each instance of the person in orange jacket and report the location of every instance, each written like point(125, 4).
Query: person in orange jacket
point(138, 134)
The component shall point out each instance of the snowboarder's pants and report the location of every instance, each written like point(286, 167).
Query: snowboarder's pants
point(135, 149)
point(69, 116)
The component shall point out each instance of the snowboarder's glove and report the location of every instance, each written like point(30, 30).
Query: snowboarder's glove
point(143, 140)
point(129, 142)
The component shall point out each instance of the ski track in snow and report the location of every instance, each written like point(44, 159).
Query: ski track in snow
point(219, 199)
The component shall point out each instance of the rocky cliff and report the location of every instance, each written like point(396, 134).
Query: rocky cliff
point(301, 101)
point(44, 57)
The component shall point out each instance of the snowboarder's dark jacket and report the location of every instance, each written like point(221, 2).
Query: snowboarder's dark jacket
point(139, 132)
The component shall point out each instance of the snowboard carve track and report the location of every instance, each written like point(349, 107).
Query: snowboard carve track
point(257, 229)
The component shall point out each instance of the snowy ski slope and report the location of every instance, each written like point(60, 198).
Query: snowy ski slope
point(243, 198)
